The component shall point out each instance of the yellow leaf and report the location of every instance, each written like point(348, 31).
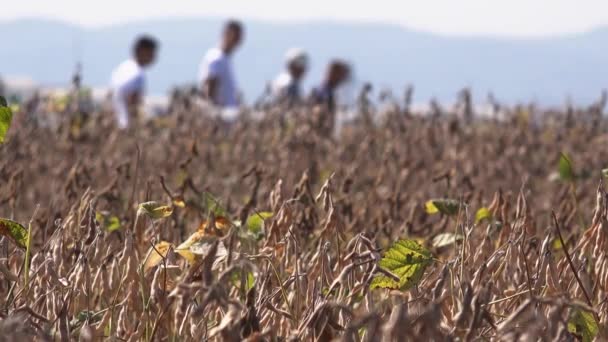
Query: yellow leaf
point(431, 208)
point(222, 225)
point(445, 206)
point(482, 214)
point(153, 257)
point(179, 202)
point(184, 248)
point(557, 244)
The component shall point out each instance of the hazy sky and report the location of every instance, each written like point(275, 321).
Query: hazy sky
point(491, 17)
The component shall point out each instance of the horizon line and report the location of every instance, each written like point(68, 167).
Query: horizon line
point(302, 21)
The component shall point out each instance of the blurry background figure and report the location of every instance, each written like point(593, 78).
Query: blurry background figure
point(128, 80)
point(80, 103)
point(464, 106)
point(364, 104)
point(324, 96)
point(337, 73)
point(216, 75)
point(286, 88)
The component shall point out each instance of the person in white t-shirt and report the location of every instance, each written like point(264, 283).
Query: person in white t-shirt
point(286, 87)
point(216, 76)
point(128, 80)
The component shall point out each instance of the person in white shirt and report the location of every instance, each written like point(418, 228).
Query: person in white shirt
point(286, 87)
point(216, 77)
point(128, 80)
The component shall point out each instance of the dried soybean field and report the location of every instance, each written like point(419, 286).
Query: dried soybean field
point(407, 228)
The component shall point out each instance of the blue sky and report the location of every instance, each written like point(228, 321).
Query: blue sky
point(521, 18)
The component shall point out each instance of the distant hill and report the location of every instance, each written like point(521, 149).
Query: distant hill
point(545, 69)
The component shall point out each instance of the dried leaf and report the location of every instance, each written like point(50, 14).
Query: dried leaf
point(7, 273)
point(222, 225)
point(202, 236)
point(202, 248)
point(153, 257)
point(445, 239)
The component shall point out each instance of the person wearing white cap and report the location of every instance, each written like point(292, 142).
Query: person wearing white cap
point(286, 87)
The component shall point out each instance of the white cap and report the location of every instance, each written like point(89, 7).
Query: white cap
point(297, 56)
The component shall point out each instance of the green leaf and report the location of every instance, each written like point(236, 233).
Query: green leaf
point(6, 117)
point(255, 221)
point(250, 281)
point(110, 223)
point(446, 239)
point(445, 206)
point(213, 205)
point(92, 317)
point(407, 260)
point(235, 277)
point(482, 214)
point(84, 316)
point(605, 173)
point(566, 173)
point(113, 224)
point(583, 325)
point(14, 231)
point(155, 210)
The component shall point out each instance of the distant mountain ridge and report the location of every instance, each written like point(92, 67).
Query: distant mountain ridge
point(542, 69)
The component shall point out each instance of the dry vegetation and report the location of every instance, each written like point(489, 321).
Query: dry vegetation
point(333, 206)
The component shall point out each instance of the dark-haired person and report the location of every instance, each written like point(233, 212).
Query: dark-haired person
point(128, 80)
point(216, 75)
point(337, 73)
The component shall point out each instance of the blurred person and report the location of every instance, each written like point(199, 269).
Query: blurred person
point(338, 73)
point(323, 97)
point(216, 75)
point(128, 80)
point(287, 86)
